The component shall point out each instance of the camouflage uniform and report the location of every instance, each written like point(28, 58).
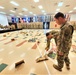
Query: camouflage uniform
point(63, 41)
point(55, 35)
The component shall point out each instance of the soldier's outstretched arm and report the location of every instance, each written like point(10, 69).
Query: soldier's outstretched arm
point(54, 33)
point(47, 45)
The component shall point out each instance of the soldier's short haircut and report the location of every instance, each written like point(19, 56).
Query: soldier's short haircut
point(47, 34)
point(59, 14)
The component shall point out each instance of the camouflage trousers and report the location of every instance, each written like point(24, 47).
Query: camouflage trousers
point(62, 59)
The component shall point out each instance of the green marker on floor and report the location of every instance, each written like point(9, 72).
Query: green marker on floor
point(52, 55)
point(2, 67)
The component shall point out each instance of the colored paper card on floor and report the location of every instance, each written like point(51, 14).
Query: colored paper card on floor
point(52, 55)
point(2, 67)
point(21, 43)
point(8, 42)
point(34, 47)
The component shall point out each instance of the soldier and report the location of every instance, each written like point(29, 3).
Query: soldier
point(63, 40)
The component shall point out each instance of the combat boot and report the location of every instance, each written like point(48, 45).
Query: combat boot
point(67, 66)
point(57, 68)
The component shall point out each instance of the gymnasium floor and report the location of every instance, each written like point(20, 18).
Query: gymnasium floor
point(20, 49)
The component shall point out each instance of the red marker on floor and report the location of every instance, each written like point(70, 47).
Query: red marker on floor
point(21, 43)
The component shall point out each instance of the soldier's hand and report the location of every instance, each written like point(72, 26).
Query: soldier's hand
point(60, 53)
point(46, 48)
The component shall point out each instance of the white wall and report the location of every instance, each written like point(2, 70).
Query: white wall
point(3, 20)
point(73, 17)
point(9, 19)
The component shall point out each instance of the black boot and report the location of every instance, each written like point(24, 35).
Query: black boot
point(67, 66)
point(57, 68)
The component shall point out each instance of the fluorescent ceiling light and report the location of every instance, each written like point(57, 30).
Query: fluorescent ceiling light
point(12, 11)
point(60, 4)
point(43, 10)
point(31, 12)
point(25, 9)
point(36, 0)
point(14, 3)
point(70, 11)
point(75, 8)
point(57, 9)
point(20, 14)
point(2, 13)
point(1, 7)
point(40, 7)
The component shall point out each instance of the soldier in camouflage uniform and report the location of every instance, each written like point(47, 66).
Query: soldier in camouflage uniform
point(63, 40)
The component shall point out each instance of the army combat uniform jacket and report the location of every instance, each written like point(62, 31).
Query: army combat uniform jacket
point(63, 38)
